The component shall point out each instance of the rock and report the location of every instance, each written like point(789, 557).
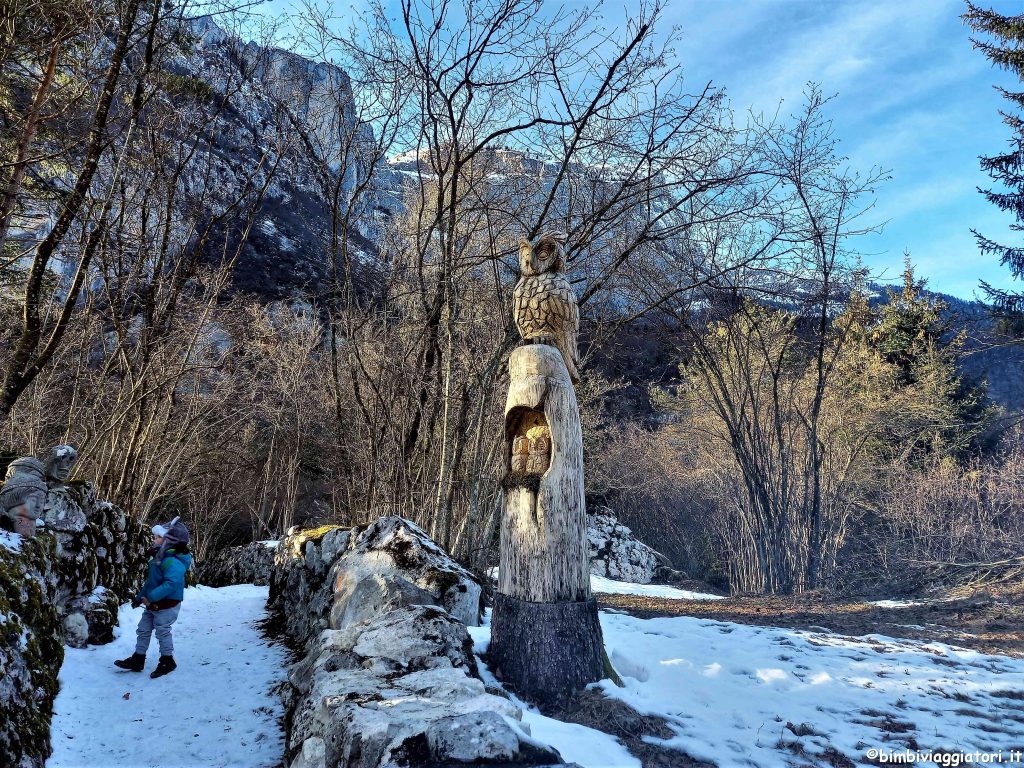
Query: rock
point(96, 613)
point(393, 545)
point(357, 600)
point(313, 754)
point(617, 554)
point(76, 630)
point(389, 677)
point(417, 637)
point(484, 737)
point(31, 650)
point(63, 513)
point(317, 573)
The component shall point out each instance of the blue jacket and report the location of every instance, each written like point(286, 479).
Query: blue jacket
point(165, 579)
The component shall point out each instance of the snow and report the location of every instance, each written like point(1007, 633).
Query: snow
point(11, 541)
point(730, 690)
point(613, 587)
point(602, 584)
point(895, 603)
point(217, 708)
point(270, 543)
point(734, 694)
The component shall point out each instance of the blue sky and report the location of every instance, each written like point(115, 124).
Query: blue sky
point(912, 96)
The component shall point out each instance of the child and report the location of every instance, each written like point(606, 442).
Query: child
point(162, 595)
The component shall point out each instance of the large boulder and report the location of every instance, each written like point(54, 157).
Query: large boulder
point(412, 568)
point(389, 677)
point(617, 554)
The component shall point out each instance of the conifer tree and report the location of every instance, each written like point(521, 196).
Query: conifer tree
point(1005, 49)
point(950, 414)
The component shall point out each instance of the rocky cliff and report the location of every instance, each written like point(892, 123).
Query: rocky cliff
point(63, 586)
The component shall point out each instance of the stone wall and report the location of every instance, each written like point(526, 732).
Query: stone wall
point(63, 586)
point(250, 564)
point(388, 676)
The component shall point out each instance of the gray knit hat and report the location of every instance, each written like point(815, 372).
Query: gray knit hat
point(173, 532)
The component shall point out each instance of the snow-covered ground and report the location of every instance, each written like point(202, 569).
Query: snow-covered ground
point(602, 584)
point(613, 587)
point(741, 695)
point(735, 695)
point(216, 709)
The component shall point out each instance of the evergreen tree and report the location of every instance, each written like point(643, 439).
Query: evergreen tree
point(1005, 50)
point(947, 414)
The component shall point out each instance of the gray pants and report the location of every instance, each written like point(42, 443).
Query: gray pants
point(160, 621)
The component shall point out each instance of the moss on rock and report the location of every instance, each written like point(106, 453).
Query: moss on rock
point(31, 651)
point(315, 534)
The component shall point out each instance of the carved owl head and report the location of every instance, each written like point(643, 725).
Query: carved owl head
point(545, 254)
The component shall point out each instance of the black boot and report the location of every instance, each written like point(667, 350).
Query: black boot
point(165, 666)
point(133, 663)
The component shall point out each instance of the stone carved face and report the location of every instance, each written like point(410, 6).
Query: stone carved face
point(544, 254)
point(59, 463)
point(23, 494)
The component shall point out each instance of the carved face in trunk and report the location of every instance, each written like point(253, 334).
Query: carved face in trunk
point(531, 443)
point(23, 495)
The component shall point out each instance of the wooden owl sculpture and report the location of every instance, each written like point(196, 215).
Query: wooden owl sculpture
point(543, 303)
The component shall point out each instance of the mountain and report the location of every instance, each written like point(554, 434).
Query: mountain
point(285, 251)
point(271, 104)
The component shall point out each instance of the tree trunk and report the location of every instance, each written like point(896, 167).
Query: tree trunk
point(546, 639)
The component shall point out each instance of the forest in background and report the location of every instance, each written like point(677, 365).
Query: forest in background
point(751, 405)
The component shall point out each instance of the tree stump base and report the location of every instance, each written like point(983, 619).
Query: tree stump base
point(546, 651)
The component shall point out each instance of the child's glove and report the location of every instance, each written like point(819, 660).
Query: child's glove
point(136, 602)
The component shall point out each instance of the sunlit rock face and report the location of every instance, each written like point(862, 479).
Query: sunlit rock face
point(389, 677)
point(616, 553)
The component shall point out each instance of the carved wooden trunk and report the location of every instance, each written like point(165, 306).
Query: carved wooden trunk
point(546, 639)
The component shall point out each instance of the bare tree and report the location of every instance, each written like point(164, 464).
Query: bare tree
point(509, 118)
